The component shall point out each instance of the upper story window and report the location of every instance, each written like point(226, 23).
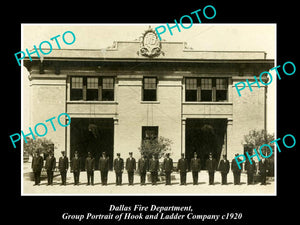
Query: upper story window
point(92, 88)
point(107, 89)
point(76, 88)
point(221, 89)
point(191, 89)
point(149, 89)
point(205, 89)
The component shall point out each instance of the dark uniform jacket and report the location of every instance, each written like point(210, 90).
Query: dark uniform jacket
point(76, 164)
point(130, 164)
point(211, 165)
point(63, 163)
point(182, 165)
point(37, 163)
point(235, 167)
point(50, 163)
point(118, 165)
point(195, 165)
point(168, 165)
point(251, 168)
point(224, 166)
point(89, 164)
point(153, 165)
point(104, 164)
point(263, 167)
point(143, 165)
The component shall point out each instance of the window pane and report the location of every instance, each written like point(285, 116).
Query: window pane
point(150, 83)
point(149, 95)
point(76, 94)
point(191, 84)
point(191, 95)
point(221, 95)
point(92, 83)
point(206, 95)
point(107, 95)
point(108, 83)
point(149, 92)
point(76, 82)
point(206, 84)
point(92, 94)
point(221, 84)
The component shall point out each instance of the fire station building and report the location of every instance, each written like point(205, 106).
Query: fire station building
point(135, 90)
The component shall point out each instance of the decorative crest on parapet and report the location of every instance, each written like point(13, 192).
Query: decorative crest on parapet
point(150, 44)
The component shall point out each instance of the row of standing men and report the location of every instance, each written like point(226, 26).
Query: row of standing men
point(144, 165)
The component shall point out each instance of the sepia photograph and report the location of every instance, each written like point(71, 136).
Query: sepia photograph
point(110, 109)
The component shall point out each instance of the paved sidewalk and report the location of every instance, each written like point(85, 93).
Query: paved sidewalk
point(160, 189)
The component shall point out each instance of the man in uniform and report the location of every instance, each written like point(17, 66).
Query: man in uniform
point(195, 168)
point(76, 167)
point(224, 169)
point(37, 165)
point(104, 167)
point(251, 170)
point(263, 169)
point(211, 165)
point(153, 168)
point(143, 167)
point(236, 171)
point(182, 167)
point(119, 167)
point(130, 167)
point(50, 167)
point(63, 166)
point(89, 168)
point(168, 168)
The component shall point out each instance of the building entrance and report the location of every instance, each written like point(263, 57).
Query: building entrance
point(204, 136)
point(92, 135)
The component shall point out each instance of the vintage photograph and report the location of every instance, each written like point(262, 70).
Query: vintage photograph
point(109, 109)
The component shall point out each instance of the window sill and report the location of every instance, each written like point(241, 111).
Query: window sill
point(207, 103)
point(92, 102)
point(150, 102)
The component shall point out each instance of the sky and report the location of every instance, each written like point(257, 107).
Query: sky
point(204, 37)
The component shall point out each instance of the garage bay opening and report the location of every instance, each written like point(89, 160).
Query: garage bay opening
point(92, 135)
point(204, 136)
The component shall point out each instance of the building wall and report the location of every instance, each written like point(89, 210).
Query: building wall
point(48, 99)
point(248, 114)
point(133, 113)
